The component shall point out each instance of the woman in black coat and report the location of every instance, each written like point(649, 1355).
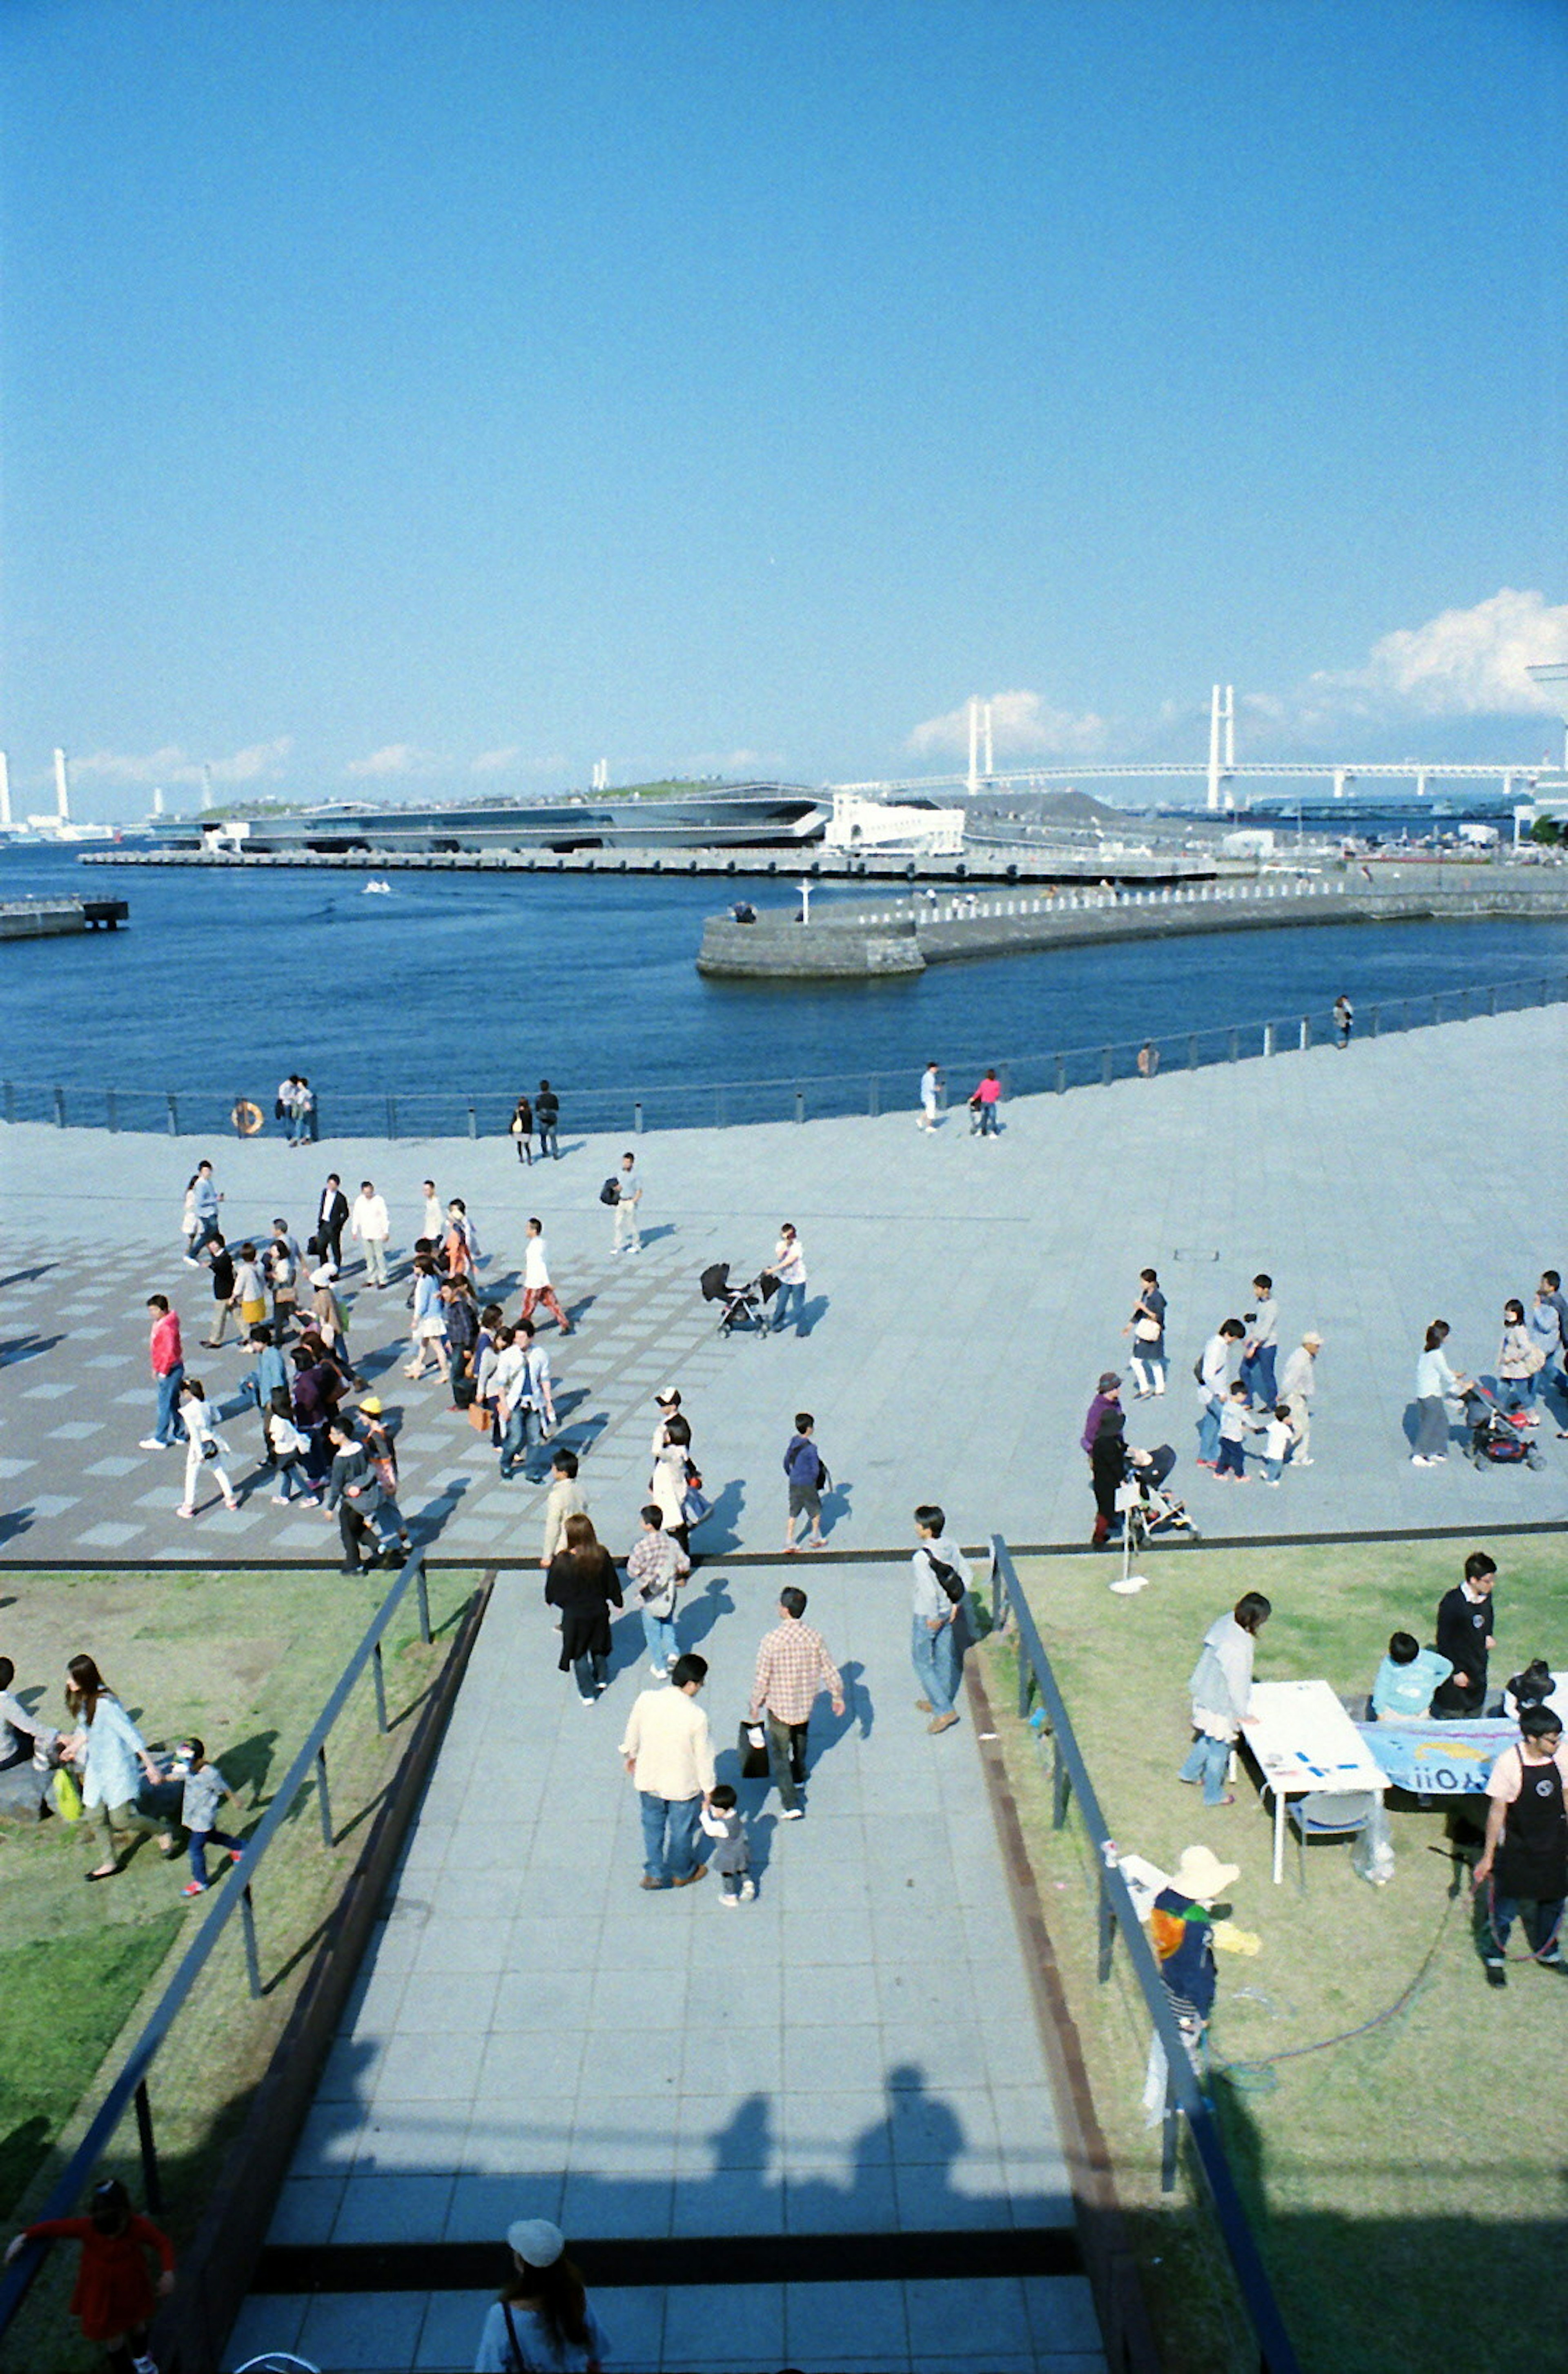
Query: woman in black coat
point(583, 1584)
point(1107, 1466)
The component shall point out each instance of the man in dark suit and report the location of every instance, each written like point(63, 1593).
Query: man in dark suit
point(332, 1218)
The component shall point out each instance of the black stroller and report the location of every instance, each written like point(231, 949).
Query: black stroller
point(739, 1306)
point(1148, 1509)
point(1497, 1440)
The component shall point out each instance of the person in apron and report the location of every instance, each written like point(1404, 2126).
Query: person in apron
point(1524, 1867)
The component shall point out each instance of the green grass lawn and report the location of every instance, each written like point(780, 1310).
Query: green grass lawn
point(1407, 2185)
point(246, 1659)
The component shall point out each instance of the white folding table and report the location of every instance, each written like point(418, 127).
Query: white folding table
point(1304, 1741)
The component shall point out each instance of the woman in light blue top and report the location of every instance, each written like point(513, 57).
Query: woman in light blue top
point(1435, 1381)
point(542, 2322)
point(113, 1758)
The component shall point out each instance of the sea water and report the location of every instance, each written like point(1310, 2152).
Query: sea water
point(458, 989)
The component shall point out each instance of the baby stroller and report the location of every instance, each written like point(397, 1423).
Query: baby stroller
point(744, 1306)
point(1497, 1436)
point(1146, 1507)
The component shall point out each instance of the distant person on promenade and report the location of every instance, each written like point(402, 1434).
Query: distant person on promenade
point(793, 1669)
point(668, 1751)
point(983, 1103)
point(1261, 1348)
point(941, 1577)
point(332, 1218)
point(656, 1566)
point(1344, 1017)
point(788, 1265)
point(537, 1287)
point(930, 1097)
point(1214, 1387)
point(1297, 1387)
point(1148, 1060)
point(521, 1128)
point(628, 1203)
point(1435, 1380)
point(168, 1359)
point(547, 1120)
point(250, 1289)
point(204, 1200)
point(281, 1268)
point(583, 1584)
point(204, 1446)
point(806, 1473)
point(114, 2299)
point(433, 1224)
point(368, 1222)
point(429, 1326)
point(542, 2319)
point(461, 1242)
point(1147, 1328)
point(306, 1124)
point(1221, 1690)
point(565, 1498)
point(524, 1399)
point(222, 1263)
point(669, 1482)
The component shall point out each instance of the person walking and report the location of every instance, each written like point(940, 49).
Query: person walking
point(788, 1265)
point(220, 1261)
point(1524, 1865)
point(460, 1241)
point(668, 1751)
point(250, 1288)
point(583, 1584)
point(204, 1445)
point(930, 1097)
point(280, 1267)
point(1297, 1386)
point(1261, 1348)
point(524, 1399)
point(1435, 1381)
point(433, 1223)
point(112, 1757)
point(793, 1669)
point(542, 2322)
point(806, 1473)
point(428, 1325)
point(941, 1577)
point(984, 1101)
point(566, 1499)
point(628, 1205)
point(368, 1223)
point(1147, 1328)
point(669, 1482)
point(332, 1218)
point(537, 1287)
point(204, 1200)
point(656, 1566)
point(114, 2298)
point(168, 1359)
point(367, 1518)
point(1221, 1689)
point(546, 1120)
point(521, 1128)
point(204, 1792)
point(1214, 1387)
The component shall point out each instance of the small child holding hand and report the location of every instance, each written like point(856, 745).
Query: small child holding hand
point(731, 1857)
point(206, 1789)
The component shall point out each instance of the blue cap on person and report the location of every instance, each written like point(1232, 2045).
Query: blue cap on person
point(537, 2242)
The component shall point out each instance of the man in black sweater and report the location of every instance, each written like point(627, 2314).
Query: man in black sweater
point(1464, 1637)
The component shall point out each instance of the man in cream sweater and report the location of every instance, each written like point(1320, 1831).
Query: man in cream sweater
point(668, 1751)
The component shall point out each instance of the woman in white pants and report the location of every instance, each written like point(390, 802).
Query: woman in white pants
point(200, 1433)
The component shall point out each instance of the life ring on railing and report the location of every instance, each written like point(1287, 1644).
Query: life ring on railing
point(246, 1117)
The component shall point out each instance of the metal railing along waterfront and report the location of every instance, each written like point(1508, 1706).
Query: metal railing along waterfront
point(1187, 2108)
point(486, 1111)
point(235, 1899)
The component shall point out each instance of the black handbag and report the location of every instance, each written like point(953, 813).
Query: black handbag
point(753, 1758)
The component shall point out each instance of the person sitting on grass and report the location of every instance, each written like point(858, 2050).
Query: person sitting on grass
point(1405, 1680)
point(114, 2301)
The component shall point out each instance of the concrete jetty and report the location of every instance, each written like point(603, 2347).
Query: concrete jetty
point(47, 919)
point(858, 942)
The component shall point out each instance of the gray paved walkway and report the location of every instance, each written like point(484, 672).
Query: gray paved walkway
point(964, 1294)
point(854, 2052)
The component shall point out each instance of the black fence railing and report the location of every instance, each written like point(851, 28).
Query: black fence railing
point(685, 1104)
point(1187, 2107)
point(129, 2092)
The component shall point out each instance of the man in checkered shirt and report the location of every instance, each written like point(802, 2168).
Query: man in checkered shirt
point(792, 1666)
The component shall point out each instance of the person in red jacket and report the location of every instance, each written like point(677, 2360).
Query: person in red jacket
point(168, 1357)
point(115, 2300)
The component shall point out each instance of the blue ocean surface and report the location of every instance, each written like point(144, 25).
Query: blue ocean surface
point(459, 989)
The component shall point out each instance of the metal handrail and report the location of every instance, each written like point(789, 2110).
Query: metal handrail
point(1186, 2101)
point(130, 2087)
point(713, 1103)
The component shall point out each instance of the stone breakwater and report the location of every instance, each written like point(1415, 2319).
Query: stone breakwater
point(907, 935)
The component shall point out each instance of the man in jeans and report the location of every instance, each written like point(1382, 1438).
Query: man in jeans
point(168, 1359)
point(205, 1201)
point(668, 1751)
point(935, 1649)
point(627, 1221)
point(792, 1666)
point(526, 1403)
point(367, 1221)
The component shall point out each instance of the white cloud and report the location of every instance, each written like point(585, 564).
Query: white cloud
point(1462, 664)
point(395, 758)
point(497, 763)
point(1023, 725)
point(171, 764)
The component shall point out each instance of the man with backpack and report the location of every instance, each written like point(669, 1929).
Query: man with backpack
point(807, 1474)
point(941, 1577)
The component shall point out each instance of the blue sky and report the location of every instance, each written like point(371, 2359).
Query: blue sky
point(425, 399)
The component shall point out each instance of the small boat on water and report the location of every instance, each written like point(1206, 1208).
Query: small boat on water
point(381, 889)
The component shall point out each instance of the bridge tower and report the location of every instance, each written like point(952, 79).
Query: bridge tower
point(1221, 712)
